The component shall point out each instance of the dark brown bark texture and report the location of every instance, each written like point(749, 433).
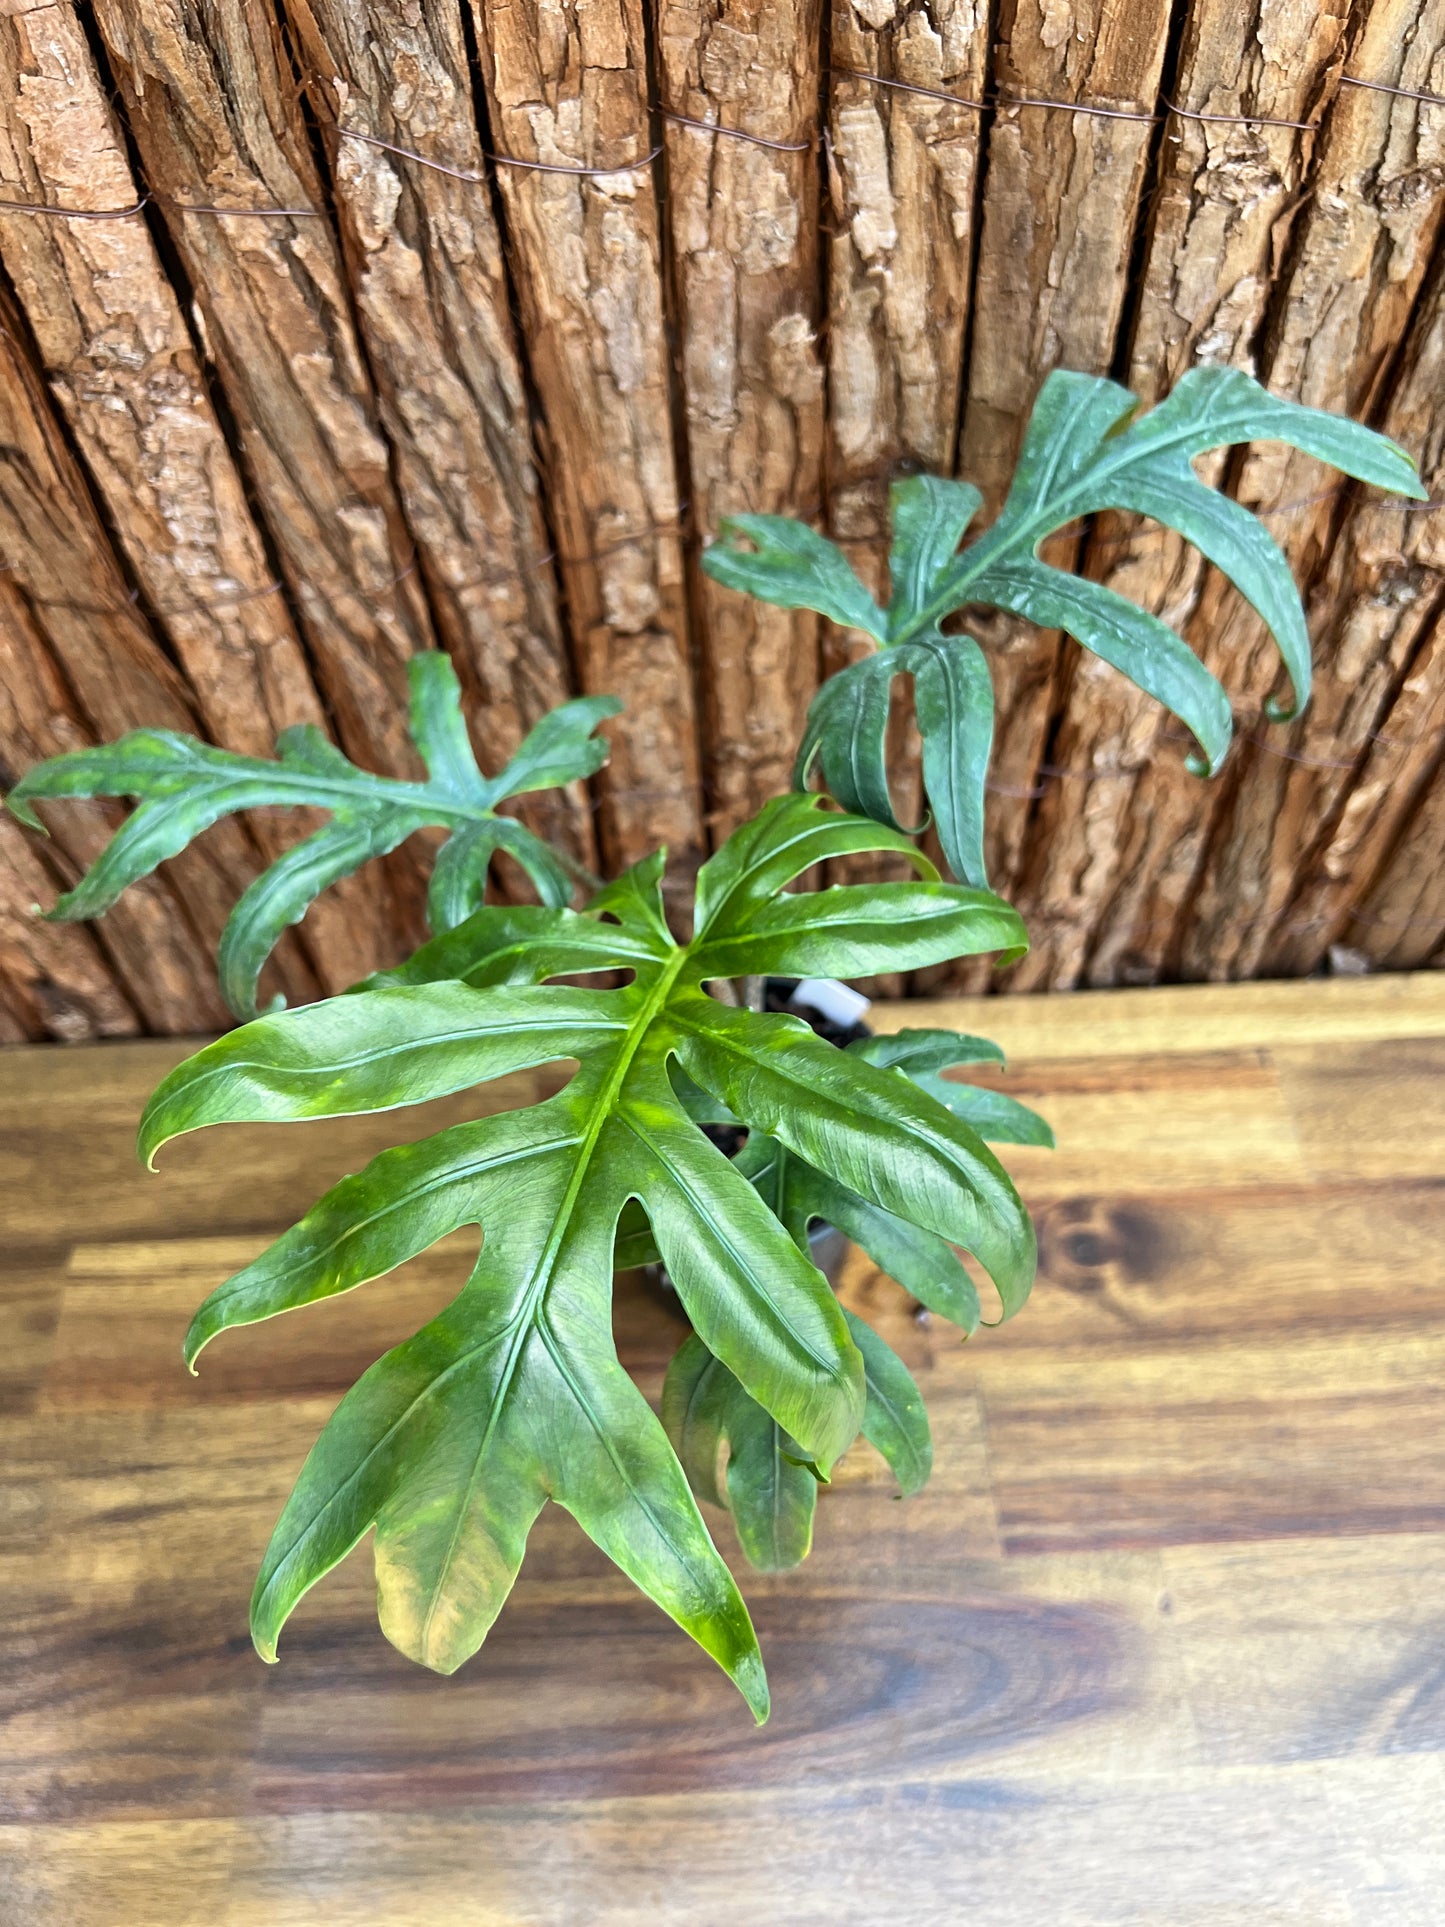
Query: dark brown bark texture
point(465, 324)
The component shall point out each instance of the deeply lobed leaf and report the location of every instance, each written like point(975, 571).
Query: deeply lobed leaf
point(712, 1419)
point(184, 786)
point(1082, 454)
point(450, 1444)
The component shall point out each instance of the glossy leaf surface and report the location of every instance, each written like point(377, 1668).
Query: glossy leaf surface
point(183, 786)
point(1082, 454)
point(450, 1444)
point(712, 1419)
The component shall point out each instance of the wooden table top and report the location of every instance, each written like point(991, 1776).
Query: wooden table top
point(1162, 1643)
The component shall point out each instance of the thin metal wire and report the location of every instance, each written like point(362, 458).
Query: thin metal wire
point(1004, 99)
point(556, 167)
point(1404, 742)
point(1293, 756)
point(1393, 923)
point(739, 134)
point(154, 200)
point(77, 213)
point(475, 177)
point(468, 174)
point(1237, 120)
point(226, 213)
point(908, 87)
point(471, 175)
point(1046, 773)
point(1384, 87)
point(1053, 772)
point(198, 605)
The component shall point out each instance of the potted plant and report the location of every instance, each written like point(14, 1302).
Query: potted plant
point(450, 1445)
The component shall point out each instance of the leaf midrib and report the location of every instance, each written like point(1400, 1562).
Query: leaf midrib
point(720, 1231)
point(528, 1313)
point(1002, 538)
point(301, 789)
point(439, 1181)
point(334, 1065)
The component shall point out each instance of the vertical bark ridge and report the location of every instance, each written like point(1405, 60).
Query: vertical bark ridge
point(426, 267)
point(903, 171)
point(1360, 255)
point(744, 231)
point(1374, 732)
point(121, 364)
point(80, 666)
point(1059, 213)
point(904, 167)
point(1225, 197)
point(1399, 923)
point(54, 980)
point(211, 104)
point(568, 91)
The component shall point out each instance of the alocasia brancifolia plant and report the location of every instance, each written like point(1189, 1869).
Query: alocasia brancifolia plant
point(450, 1445)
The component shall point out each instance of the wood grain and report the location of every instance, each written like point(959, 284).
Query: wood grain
point(1226, 195)
point(1060, 201)
point(743, 225)
point(425, 262)
point(1163, 1631)
point(81, 665)
point(568, 88)
point(1357, 266)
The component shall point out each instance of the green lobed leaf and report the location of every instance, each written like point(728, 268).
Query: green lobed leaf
point(894, 1418)
point(919, 1260)
point(1144, 648)
point(635, 1244)
point(870, 1130)
point(183, 786)
point(375, 1050)
point(1086, 451)
point(953, 706)
point(847, 727)
point(562, 748)
point(285, 891)
point(459, 874)
point(857, 930)
point(930, 514)
point(449, 1445)
point(925, 1050)
point(997, 1117)
point(736, 1455)
point(787, 836)
point(793, 567)
point(635, 900)
point(924, 1264)
point(522, 943)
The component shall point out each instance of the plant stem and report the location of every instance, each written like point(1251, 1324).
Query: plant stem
point(577, 870)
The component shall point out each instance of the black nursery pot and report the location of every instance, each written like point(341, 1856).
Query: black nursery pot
point(827, 1246)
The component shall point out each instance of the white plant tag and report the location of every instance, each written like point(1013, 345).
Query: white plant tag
point(832, 1000)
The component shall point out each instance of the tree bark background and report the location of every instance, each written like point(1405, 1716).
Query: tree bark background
point(568, 94)
point(465, 324)
point(743, 224)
